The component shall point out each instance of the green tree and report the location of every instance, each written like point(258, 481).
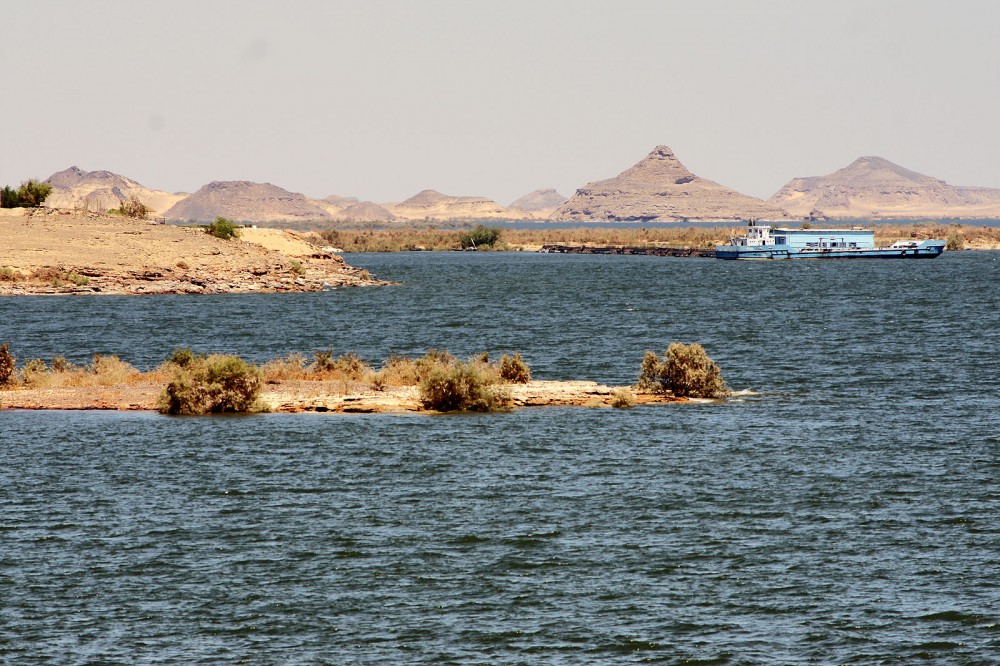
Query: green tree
point(9, 198)
point(480, 237)
point(223, 228)
point(32, 193)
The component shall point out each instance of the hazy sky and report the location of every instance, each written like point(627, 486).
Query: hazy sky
point(381, 99)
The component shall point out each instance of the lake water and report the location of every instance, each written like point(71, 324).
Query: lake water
point(847, 513)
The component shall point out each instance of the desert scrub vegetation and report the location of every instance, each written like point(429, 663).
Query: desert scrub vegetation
point(134, 208)
point(622, 397)
point(464, 386)
point(514, 370)
point(407, 239)
point(8, 366)
point(212, 384)
point(11, 275)
point(103, 370)
point(684, 371)
point(957, 236)
point(223, 228)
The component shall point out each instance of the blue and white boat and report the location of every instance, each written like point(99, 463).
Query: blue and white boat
point(765, 242)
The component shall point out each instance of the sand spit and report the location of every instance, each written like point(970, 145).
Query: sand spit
point(69, 252)
point(317, 396)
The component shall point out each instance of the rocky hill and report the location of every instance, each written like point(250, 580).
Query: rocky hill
point(876, 187)
point(432, 204)
point(539, 204)
point(660, 188)
point(100, 191)
point(245, 201)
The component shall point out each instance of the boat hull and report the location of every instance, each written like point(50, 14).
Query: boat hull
point(924, 250)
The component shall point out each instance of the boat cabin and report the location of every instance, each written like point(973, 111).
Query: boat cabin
point(855, 238)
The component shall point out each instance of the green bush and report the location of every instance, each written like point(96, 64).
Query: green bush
point(213, 385)
point(9, 198)
point(32, 194)
point(461, 386)
point(514, 370)
point(685, 371)
point(954, 243)
point(479, 237)
point(223, 228)
point(8, 366)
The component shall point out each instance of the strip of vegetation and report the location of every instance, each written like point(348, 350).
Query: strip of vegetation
point(958, 237)
point(199, 384)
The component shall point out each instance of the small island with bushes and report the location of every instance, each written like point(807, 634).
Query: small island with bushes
point(187, 383)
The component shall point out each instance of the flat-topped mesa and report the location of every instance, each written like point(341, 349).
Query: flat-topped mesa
point(246, 201)
point(661, 188)
point(875, 187)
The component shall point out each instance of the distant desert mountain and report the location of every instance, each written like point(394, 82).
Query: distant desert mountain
point(660, 188)
point(334, 204)
point(245, 201)
point(875, 187)
point(366, 211)
point(539, 200)
point(100, 191)
point(434, 205)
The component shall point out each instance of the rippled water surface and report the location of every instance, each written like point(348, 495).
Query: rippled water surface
point(848, 513)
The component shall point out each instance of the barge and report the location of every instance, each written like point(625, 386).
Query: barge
point(767, 242)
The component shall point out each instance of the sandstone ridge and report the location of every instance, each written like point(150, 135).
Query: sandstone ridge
point(67, 252)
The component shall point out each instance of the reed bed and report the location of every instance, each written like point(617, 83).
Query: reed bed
point(959, 236)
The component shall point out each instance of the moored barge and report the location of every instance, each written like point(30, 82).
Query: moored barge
point(763, 241)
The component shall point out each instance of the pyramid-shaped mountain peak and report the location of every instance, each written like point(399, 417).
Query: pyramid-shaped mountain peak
point(661, 188)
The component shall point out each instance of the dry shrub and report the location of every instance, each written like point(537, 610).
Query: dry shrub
point(622, 398)
point(212, 385)
point(10, 275)
point(462, 386)
point(34, 373)
point(514, 370)
point(292, 366)
point(134, 208)
point(395, 371)
point(112, 371)
point(8, 366)
point(350, 367)
point(685, 371)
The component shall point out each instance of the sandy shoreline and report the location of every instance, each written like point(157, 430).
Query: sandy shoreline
point(316, 396)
